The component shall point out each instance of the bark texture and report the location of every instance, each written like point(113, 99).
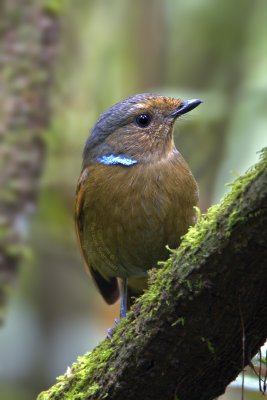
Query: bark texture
point(183, 338)
point(29, 38)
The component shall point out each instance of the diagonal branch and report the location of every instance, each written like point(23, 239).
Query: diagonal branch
point(183, 337)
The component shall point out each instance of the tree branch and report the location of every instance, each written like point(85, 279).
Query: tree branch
point(183, 337)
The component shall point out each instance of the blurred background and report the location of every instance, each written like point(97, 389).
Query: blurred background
point(62, 63)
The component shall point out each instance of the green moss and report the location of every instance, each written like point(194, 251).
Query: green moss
point(208, 224)
point(205, 227)
point(93, 389)
point(79, 382)
point(198, 212)
point(76, 381)
point(209, 344)
point(179, 321)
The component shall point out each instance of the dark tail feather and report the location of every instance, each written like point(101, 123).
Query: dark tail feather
point(109, 289)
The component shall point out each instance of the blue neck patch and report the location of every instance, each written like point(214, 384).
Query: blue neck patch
point(112, 159)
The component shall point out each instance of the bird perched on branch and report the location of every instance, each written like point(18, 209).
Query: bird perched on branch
point(135, 194)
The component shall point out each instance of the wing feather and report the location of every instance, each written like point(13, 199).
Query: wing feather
point(109, 289)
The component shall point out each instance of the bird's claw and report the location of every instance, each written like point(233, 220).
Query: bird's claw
point(111, 330)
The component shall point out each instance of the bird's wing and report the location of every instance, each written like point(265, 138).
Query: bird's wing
point(109, 289)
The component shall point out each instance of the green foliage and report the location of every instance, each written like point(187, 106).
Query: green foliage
point(53, 6)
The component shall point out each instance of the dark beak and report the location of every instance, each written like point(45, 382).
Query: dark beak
point(185, 107)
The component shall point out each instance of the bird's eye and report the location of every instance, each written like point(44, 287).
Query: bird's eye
point(143, 120)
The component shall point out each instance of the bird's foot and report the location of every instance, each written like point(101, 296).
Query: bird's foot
point(111, 330)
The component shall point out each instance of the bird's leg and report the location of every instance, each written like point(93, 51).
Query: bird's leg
point(123, 307)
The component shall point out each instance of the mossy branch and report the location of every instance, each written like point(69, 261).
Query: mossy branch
point(183, 337)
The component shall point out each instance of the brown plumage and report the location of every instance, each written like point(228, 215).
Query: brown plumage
point(135, 195)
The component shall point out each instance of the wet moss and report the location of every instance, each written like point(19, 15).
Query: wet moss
point(77, 378)
point(198, 234)
point(209, 344)
point(81, 381)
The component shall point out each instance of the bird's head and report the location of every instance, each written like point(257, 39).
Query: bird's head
point(138, 128)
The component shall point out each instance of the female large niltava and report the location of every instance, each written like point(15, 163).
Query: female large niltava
point(135, 194)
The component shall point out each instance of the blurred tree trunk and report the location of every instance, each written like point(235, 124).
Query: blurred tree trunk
point(29, 38)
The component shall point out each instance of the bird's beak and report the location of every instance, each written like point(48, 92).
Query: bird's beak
point(185, 107)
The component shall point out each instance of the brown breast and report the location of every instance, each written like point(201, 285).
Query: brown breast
point(131, 213)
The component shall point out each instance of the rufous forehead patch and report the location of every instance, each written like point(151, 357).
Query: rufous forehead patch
point(166, 104)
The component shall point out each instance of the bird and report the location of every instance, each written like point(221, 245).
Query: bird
point(135, 196)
